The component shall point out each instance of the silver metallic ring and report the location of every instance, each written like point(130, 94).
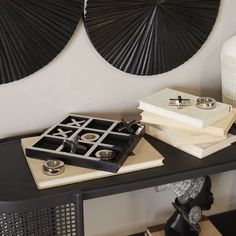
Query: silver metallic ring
point(53, 167)
point(206, 103)
point(105, 154)
point(195, 214)
point(90, 137)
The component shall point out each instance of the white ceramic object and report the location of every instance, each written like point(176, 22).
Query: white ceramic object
point(228, 71)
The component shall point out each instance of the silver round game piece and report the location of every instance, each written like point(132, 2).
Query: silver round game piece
point(90, 137)
point(53, 167)
point(206, 103)
point(105, 154)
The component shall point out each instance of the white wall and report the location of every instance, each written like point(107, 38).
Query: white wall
point(79, 80)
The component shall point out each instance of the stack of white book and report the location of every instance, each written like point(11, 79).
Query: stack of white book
point(196, 131)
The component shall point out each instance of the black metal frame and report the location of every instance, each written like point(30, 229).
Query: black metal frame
point(53, 215)
point(18, 192)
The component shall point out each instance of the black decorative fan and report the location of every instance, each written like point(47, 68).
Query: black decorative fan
point(33, 32)
point(148, 37)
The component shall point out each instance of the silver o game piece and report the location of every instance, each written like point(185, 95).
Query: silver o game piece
point(53, 167)
point(90, 137)
point(105, 154)
point(206, 103)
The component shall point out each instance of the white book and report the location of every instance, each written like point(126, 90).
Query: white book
point(178, 138)
point(158, 103)
point(144, 156)
point(205, 149)
point(219, 128)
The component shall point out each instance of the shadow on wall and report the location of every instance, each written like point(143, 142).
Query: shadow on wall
point(232, 198)
point(223, 191)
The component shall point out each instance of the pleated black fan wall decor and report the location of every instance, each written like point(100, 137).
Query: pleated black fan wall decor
point(148, 37)
point(33, 32)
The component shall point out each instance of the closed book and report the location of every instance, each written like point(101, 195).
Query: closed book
point(143, 156)
point(206, 149)
point(178, 138)
point(219, 128)
point(158, 103)
point(203, 150)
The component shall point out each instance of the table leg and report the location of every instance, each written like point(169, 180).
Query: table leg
point(79, 214)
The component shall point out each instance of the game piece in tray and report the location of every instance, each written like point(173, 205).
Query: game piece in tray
point(90, 142)
point(74, 145)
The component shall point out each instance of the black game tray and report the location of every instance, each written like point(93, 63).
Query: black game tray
point(88, 142)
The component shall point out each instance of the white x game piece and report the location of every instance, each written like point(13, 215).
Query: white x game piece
point(62, 133)
point(76, 123)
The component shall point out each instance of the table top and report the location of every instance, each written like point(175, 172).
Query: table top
point(17, 183)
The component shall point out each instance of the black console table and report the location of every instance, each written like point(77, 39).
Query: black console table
point(25, 210)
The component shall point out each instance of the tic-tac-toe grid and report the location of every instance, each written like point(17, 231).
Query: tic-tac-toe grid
point(104, 133)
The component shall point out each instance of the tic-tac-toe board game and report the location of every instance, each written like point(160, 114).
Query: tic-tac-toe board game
point(90, 142)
